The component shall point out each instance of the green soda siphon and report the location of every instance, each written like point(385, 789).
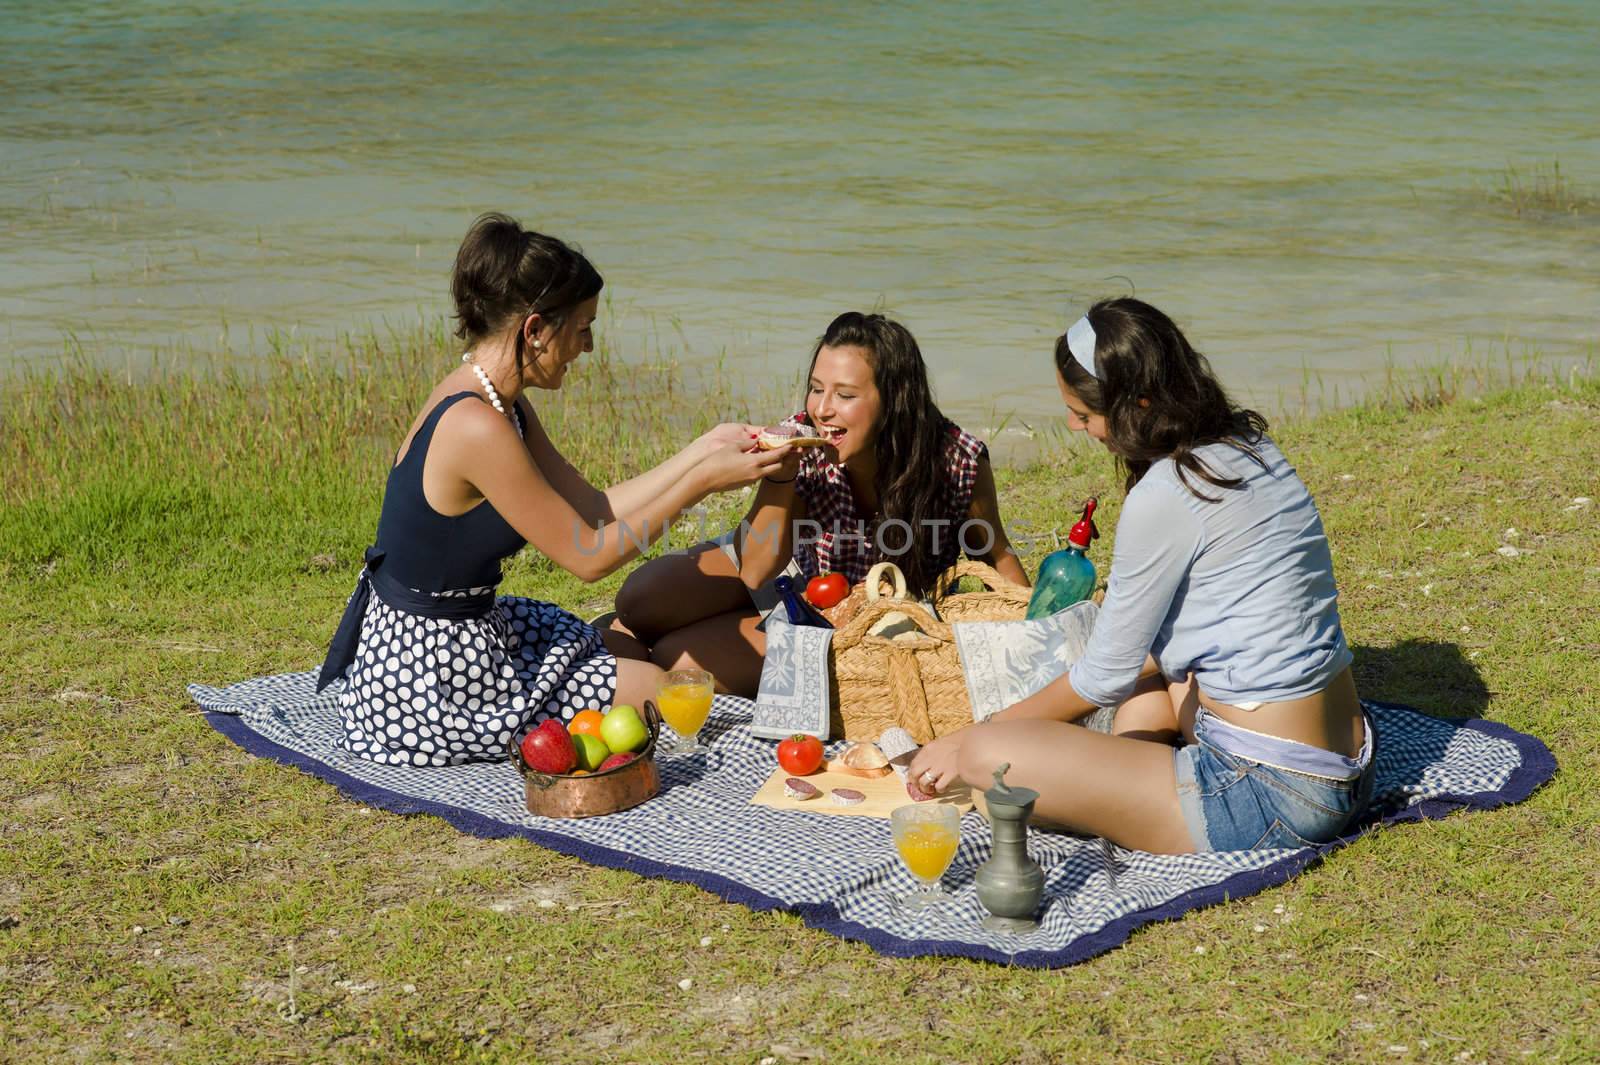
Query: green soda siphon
point(1066, 576)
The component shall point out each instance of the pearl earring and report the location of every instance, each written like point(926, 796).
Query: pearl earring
point(537, 344)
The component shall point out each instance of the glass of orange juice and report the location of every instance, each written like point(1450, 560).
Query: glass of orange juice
point(684, 699)
point(926, 835)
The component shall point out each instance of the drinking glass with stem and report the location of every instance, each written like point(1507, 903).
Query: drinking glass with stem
point(684, 699)
point(926, 836)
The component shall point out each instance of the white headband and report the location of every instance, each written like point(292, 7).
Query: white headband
point(1080, 341)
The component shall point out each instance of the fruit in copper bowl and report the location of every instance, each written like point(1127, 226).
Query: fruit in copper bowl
point(554, 787)
point(592, 751)
point(549, 748)
point(623, 729)
point(616, 761)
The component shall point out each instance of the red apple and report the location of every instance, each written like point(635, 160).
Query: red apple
point(548, 748)
point(616, 760)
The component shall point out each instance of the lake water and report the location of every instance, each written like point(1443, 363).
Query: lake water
point(1301, 186)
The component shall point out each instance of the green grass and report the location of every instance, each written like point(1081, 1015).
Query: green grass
point(166, 897)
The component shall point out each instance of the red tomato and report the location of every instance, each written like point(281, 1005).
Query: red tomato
point(800, 754)
point(827, 590)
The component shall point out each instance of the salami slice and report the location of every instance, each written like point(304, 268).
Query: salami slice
point(795, 788)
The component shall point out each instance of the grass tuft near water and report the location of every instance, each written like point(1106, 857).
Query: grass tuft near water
point(1541, 191)
point(164, 897)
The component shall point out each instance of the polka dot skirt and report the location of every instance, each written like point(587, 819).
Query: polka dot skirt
point(429, 691)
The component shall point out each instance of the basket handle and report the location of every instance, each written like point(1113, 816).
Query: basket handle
point(856, 630)
point(896, 579)
point(652, 721)
point(968, 567)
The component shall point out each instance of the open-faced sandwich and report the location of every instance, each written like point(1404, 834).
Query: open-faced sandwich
point(775, 436)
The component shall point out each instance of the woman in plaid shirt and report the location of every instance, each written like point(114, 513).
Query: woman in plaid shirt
point(897, 481)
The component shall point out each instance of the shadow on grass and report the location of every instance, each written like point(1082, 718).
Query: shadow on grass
point(1434, 677)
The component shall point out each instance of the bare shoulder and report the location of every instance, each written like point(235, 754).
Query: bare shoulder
point(474, 421)
point(470, 432)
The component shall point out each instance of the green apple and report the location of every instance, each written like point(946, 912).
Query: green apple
point(592, 750)
point(623, 730)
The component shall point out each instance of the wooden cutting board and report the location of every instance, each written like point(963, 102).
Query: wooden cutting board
point(883, 794)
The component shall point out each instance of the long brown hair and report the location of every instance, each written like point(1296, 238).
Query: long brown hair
point(1158, 395)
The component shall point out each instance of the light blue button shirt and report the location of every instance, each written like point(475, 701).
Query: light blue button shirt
point(1239, 592)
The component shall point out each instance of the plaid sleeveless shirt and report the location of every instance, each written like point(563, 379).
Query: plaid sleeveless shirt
point(849, 542)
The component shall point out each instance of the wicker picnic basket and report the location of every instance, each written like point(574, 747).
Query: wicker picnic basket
point(906, 674)
point(1000, 600)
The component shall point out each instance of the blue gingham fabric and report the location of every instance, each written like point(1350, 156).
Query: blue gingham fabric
point(841, 874)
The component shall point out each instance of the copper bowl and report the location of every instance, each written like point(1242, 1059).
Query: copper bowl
point(593, 794)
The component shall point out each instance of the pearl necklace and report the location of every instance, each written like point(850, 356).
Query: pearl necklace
point(494, 397)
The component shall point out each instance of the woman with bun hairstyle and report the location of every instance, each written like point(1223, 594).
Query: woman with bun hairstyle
point(896, 481)
point(436, 668)
point(1219, 632)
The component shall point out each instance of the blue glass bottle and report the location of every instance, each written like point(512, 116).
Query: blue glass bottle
point(796, 608)
point(1066, 576)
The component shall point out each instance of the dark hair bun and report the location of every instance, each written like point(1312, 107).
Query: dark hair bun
point(504, 272)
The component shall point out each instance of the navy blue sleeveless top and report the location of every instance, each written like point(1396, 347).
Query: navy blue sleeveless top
point(420, 551)
point(429, 551)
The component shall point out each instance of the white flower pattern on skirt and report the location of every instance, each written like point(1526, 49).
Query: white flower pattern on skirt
point(431, 691)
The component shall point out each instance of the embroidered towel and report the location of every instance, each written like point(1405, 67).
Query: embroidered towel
point(794, 681)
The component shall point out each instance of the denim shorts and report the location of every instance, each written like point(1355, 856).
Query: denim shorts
point(1232, 803)
point(765, 598)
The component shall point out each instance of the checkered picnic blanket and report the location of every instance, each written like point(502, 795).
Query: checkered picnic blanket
point(840, 874)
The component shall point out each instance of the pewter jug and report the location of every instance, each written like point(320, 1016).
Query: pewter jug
point(1010, 884)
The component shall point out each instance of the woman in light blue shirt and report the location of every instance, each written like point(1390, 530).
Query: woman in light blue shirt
point(1219, 631)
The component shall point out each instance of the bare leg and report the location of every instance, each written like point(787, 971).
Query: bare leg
point(625, 645)
point(1123, 789)
point(728, 646)
point(673, 591)
point(636, 682)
